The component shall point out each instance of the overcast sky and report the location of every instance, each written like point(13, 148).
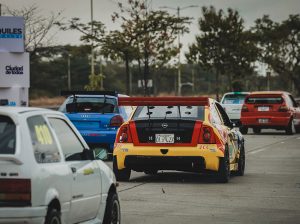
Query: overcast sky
point(249, 10)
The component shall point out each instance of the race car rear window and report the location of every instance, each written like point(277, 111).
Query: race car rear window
point(234, 99)
point(264, 100)
point(169, 112)
point(92, 105)
point(7, 135)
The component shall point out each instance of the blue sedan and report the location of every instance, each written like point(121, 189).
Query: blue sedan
point(96, 115)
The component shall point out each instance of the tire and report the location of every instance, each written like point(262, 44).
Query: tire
point(244, 130)
point(112, 213)
point(290, 129)
point(242, 162)
point(121, 175)
point(53, 216)
point(223, 174)
point(297, 129)
point(256, 130)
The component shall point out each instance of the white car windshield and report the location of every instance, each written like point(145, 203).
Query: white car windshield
point(234, 99)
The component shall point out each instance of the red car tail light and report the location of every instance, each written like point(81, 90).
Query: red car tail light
point(116, 121)
point(207, 135)
point(245, 108)
point(15, 192)
point(283, 108)
point(124, 135)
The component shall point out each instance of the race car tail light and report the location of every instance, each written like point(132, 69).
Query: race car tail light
point(245, 108)
point(207, 135)
point(124, 135)
point(116, 121)
point(15, 192)
point(283, 108)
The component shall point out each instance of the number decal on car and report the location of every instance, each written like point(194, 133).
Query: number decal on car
point(43, 134)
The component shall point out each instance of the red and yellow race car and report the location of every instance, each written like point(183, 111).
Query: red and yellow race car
point(191, 134)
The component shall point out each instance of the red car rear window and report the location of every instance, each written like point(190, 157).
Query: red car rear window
point(264, 100)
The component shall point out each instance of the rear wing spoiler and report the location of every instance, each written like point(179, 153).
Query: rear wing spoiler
point(81, 92)
point(163, 101)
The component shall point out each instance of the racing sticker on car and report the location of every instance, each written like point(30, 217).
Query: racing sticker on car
point(43, 134)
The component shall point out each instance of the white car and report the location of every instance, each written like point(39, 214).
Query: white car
point(48, 174)
point(232, 102)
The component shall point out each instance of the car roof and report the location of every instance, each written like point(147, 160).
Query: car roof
point(236, 93)
point(268, 92)
point(22, 110)
point(94, 96)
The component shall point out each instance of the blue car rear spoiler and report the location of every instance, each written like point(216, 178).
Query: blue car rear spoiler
point(82, 92)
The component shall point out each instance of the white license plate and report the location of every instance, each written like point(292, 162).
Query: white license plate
point(263, 120)
point(164, 138)
point(263, 108)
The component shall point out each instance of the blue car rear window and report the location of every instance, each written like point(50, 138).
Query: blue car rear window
point(92, 105)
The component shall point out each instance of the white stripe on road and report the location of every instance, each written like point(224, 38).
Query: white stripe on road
point(262, 149)
point(256, 151)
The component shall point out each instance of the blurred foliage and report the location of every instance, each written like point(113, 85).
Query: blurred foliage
point(223, 46)
point(223, 57)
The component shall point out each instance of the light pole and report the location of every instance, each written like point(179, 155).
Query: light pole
point(179, 45)
point(69, 71)
point(92, 42)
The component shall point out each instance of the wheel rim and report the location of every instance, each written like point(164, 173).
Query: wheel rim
point(115, 213)
point(55, 220)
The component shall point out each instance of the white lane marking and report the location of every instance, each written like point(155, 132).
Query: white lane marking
point(298, 138)
point(258, 150)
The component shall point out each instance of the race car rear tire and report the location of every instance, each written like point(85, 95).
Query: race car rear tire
point(297, 129)
point(290, 129)
point(223, 174)
point(242, 162)
point(244, 130)
point(121, 175)
point(256, 130)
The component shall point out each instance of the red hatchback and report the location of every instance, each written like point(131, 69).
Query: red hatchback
point(270, 109)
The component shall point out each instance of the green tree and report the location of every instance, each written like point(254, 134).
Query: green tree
point(146, 37)
point(223, 46)
point(152, 34)
point(279, 45)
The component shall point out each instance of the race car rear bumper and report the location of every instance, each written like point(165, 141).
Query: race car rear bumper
point(140, 158)
point(183, 163)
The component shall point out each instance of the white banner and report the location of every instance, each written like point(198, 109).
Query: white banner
point(11, 34)
point(14, 70)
